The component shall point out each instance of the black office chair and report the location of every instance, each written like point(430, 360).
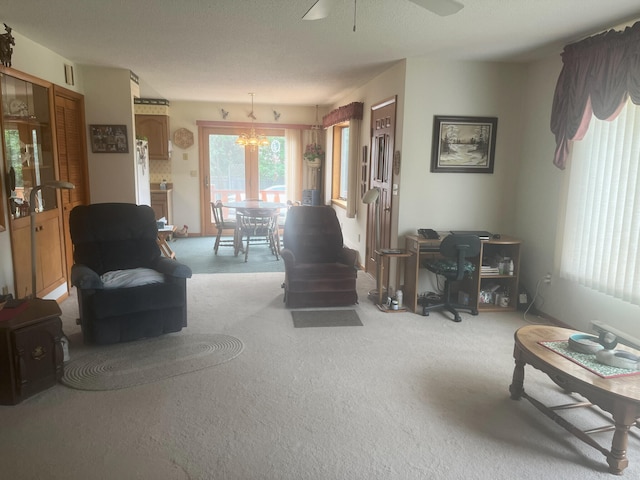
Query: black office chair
point(453, 266)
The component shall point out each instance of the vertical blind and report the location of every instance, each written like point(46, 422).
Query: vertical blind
point(602, 225)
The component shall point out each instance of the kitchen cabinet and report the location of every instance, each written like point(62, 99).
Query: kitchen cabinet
point(156, 130)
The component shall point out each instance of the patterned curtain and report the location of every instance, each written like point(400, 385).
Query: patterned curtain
point(598, 75)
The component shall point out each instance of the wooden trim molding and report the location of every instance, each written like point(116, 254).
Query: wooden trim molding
point(353, 111)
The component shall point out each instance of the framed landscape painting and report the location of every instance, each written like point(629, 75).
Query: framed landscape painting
point(463, 144)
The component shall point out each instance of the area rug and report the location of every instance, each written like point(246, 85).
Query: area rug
point(325, 318)
point(197, 253)
point(125, 365)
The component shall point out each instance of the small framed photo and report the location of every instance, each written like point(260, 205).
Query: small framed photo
point(463, 144)
point(109, 139)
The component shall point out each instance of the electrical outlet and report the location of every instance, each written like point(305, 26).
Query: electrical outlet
point(547, 278)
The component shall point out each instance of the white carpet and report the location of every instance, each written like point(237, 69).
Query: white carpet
point(403, 397)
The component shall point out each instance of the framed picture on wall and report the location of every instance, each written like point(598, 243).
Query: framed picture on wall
point(463, 144)
point(109, 139)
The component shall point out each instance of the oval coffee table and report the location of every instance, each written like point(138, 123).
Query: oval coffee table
point(619, 396)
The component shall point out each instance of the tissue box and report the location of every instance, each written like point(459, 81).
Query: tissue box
point(160, 224)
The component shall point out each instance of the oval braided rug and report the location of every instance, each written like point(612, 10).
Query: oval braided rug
point(125, 365)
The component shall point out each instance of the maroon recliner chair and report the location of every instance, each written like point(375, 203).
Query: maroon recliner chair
point(319, 270)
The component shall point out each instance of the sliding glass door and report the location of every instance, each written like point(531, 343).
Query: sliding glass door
point(232, 172)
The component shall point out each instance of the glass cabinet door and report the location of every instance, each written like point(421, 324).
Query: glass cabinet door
point(28, 145)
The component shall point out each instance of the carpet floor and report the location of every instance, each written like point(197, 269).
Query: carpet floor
point(197, 253)
point(404, 397)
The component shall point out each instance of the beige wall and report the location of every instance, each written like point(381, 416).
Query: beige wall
point(185, 174)
point(108, 101)
point(540, 187)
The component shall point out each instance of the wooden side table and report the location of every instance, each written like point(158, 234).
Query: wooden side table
point(380, 256)
point(163, 235)
point(31, 356)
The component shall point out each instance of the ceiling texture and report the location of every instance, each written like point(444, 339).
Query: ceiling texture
point(220, 50)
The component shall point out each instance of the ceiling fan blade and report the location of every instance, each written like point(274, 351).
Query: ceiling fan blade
point(439, 7)
point(318, 10)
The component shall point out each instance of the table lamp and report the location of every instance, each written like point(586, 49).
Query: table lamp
point(32, 213)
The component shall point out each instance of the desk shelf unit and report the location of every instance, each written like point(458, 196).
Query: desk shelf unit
point(421, 249)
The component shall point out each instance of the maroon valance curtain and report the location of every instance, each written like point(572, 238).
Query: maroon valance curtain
point(598, 75)
point(342, 114)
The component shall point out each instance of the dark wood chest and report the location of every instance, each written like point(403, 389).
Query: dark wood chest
point(31, 356)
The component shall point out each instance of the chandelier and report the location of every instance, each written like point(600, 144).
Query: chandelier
point(252, 139)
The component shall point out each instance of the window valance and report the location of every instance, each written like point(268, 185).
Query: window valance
point(353, 111)
point(598, 75)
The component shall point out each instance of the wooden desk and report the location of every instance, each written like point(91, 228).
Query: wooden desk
point(421, 248)
point(619, 396)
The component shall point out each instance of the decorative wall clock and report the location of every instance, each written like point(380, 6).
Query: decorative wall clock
point(183, 138)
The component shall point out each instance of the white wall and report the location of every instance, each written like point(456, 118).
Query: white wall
point(108, 101)
point(34, 59)
point(462, 201)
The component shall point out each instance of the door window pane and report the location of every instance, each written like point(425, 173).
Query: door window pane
point(271, 170)
point(226, 168)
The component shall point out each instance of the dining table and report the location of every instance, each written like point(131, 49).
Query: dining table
point(251, 206)
point(256, 211)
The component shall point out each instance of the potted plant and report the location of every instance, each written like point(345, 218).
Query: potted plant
point(314, 154)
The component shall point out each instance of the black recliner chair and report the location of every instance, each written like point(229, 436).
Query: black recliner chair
point(453, 266)
point(120, 239)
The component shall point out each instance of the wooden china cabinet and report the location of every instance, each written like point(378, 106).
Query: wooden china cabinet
point(30, 156)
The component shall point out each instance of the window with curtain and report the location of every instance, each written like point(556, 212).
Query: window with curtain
point(345, 156)
point(601, 245)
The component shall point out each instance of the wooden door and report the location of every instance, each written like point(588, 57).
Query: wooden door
point(232, 172)
point(383, 122)
point(72, 159)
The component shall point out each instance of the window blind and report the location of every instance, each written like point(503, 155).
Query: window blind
point(601, 242)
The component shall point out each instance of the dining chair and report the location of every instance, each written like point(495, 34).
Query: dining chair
point(257, 226)
point(223, 224)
